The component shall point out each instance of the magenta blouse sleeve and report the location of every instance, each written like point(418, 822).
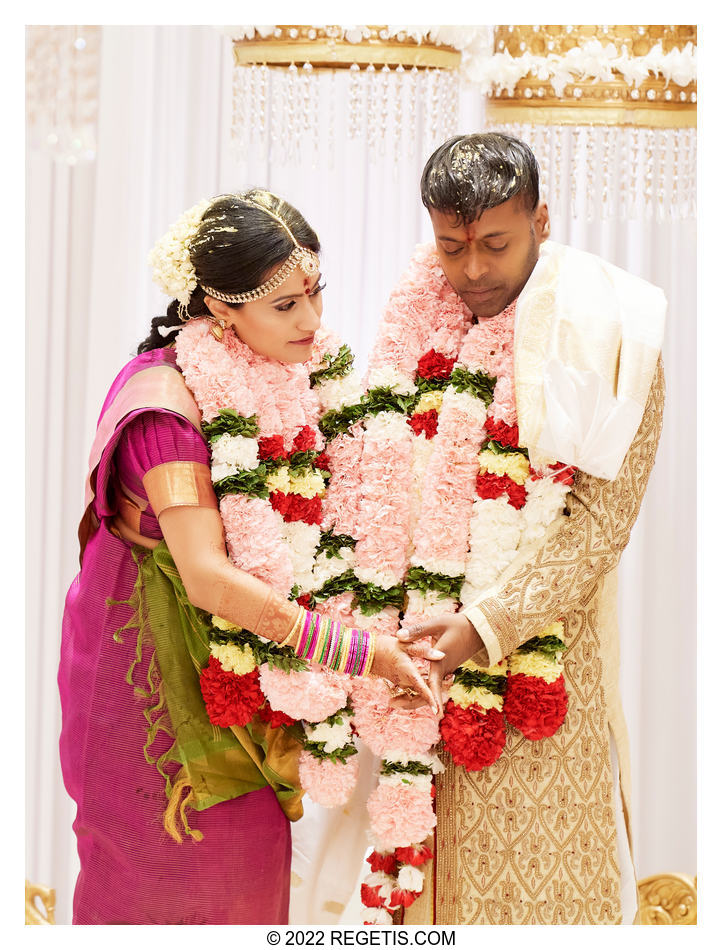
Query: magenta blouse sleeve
point(153, 438)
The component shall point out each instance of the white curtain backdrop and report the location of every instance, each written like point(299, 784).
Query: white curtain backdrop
point(164, 142)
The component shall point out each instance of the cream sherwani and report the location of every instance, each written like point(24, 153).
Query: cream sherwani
point(533, 839)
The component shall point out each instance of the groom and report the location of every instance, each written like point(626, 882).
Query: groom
point(542, 834)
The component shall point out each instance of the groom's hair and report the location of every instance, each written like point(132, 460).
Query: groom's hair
point(470, 173)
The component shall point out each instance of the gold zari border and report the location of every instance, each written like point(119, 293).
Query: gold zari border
point(173, 484)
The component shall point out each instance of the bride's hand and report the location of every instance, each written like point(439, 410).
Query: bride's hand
point(455, 637)
point(392, 661)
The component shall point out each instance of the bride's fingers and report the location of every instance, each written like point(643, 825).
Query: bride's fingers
point(423, 650)
point(408, 702)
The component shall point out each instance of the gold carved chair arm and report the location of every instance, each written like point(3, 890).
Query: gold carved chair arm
point(668, 899)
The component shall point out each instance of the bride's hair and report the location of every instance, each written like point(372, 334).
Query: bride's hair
point(235, 249)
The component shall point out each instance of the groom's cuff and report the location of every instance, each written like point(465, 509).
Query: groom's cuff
point(476, 617)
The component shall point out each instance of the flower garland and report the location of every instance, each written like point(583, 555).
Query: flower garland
point(447, 501)
point(270, 468)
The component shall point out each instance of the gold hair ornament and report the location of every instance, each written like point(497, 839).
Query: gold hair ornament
point(301, 257)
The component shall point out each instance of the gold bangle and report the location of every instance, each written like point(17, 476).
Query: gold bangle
point(295, 628)
point(345, 650)
point(372, 653)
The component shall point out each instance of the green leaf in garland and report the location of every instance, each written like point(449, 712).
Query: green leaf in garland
point(338, 755)
point(419, 579)
point(282, 658)
point(244, 483)
point(331, 544)
point(371, 599)
point(498, 449)
point(430, 385)
point(337, 585)
point(478, 384)
point(228, 421)
point(339, 365)
point(384, 399)
point(549, 645)
point(475, 679)
point(410, 768)
point(340, 420)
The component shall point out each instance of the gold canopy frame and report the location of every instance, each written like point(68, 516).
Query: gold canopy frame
point(326, 48)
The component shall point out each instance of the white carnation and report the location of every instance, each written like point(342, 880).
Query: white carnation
point(302, 540)
point(333, 736)
point(398, 757)
point(376, 915)
point(386, 377)
point(450, 567)
point(411, 878)
point(237, 451)
point(466, 403)
point(388, 426)
point(326, 568)
point(422, 782)
point(544, 502)
point(337, 393)
point(378, 576)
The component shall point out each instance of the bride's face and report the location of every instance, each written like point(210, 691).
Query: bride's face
point(281, 325)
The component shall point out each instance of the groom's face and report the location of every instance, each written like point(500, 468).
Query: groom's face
point(489, 261)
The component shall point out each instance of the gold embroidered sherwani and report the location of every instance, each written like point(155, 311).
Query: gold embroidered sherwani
point(532, 838)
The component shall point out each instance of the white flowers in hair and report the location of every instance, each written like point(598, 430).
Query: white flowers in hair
point(170, 258)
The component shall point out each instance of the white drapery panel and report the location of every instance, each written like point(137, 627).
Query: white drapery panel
point(164, 142)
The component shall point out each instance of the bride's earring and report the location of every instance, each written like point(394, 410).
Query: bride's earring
point(219, 325)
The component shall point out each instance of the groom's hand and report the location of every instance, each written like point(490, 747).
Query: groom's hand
point(455, 636)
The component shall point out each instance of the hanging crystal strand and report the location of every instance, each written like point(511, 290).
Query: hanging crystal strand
point(674, 189)
point(575, 170)
point(290, 132)
point(544, 158)
point(693, 172)
point(433, 119)
point(557, 165)
point(315, 110)
point(591, 164)
point(413, 88)
point(264, 79)
point(372, 112)
point(399, 88)
point(277, 104)
point(382, 91)
point(354, 104)
point(634, 174)
point(647, 159)
point(606, 171)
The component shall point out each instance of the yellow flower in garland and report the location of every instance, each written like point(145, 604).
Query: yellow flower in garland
point(279, 480)
point(430, 401)
point(535, 664)
point(234, 659)
point(225, 625)
point(513, 464)
point(308, 485)
point(464, 697)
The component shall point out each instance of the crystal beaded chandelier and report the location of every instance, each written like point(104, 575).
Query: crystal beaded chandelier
point(393, 87)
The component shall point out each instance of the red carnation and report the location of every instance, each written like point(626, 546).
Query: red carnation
point(305, 440)
point(400, 897)
point(271, 447)
point(533, 706)
point(370, 896)
point(500, 432)
point(434, 366)
point(323, 461)
point(426, 422)
point(494, 486)
point(474, 736)
point(231, 700)
point(304, 600)
point(275, 717)
point(414, 855)
point(294, 507)
point(382, 862)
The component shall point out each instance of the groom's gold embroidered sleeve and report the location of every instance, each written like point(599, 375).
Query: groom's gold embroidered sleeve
point(563, 570)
